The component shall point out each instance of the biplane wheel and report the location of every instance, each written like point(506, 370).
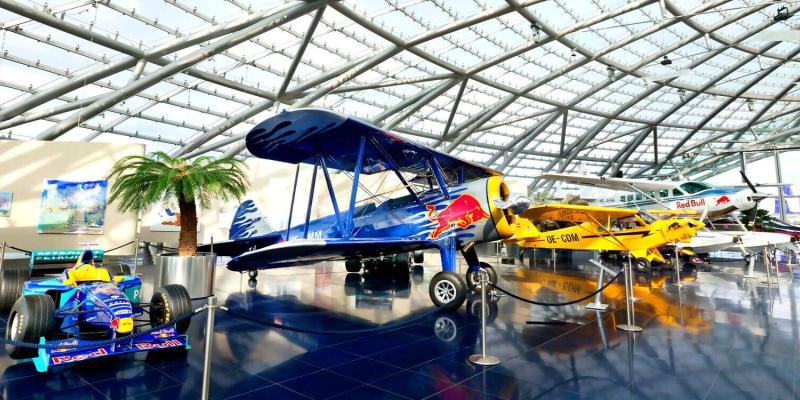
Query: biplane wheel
point(351, 283)
point(401, 264)
point(253, 273)
point(448, 290)
point(472, 277)
point(418, 257)
point(352, 265)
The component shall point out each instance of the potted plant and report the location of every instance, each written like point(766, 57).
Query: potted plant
point(143, 181)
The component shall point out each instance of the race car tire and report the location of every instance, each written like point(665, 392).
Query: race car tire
point(447, 290)
point(31, 318)
point(170, 302)
point(12, 278)
point(352, 265)
point(419, 257)
point(472, 277)
point(118, 269)
point(401, 264)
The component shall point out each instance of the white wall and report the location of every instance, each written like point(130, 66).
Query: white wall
point(25, 165)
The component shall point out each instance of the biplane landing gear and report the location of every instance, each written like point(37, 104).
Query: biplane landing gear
point(448, 290)
point(473, 280)
point(253, 273)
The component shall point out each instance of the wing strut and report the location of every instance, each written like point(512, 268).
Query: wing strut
point(311, 198)
point(437, 172)
point(356, 175)
point(291, 205)
point(332, 194)
point(394, 168)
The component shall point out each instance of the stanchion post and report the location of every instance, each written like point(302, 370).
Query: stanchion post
point(630, 326)
point(598, 304)
point(210, 309)
point(678, 267)
point(482, 358)
point(2, 255)
point(135, 255)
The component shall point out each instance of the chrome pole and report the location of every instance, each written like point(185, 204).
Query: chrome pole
point(630, 325)
point(135, 255)
point(210, 309)
point(482, 358)
point(678, 267)
point(2, 255)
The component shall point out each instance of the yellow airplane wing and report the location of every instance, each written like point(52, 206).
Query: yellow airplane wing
point(574, 213)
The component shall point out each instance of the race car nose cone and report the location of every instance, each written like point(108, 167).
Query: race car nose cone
point(122, 325)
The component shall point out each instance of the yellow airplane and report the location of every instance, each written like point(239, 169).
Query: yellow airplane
point(601, 228)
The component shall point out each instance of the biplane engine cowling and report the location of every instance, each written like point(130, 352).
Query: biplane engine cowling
point(502, 219)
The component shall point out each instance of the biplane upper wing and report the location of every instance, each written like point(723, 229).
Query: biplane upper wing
point(631, 185)
point(298, 136)
point(575, 213)
point(304, 251)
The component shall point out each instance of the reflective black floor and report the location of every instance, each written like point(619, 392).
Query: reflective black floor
point(719, 336)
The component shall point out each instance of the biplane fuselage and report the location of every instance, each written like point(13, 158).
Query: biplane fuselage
point(603, 229)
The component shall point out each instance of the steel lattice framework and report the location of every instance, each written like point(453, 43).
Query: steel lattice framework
point(642, 88)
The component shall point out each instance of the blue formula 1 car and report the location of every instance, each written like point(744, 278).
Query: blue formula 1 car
point(85, 305)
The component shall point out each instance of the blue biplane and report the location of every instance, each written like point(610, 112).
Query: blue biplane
point(450, 204)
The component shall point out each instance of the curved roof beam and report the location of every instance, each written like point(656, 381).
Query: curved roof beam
point(688, 98)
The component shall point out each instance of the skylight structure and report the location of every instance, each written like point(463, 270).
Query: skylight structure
point(638, 88)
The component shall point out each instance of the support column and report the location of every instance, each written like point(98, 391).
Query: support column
point(779, 177)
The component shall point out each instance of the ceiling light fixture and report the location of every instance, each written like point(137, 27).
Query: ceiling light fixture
point(782, 14)
point(536, 30)
point(573, 54)
point(610, 71)
point(682, 94)
point(750, 106)
point(666, 61)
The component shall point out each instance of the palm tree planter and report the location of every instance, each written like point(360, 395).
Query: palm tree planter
point(143, 181)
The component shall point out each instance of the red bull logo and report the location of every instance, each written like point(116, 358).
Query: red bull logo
point(722, 200)
point(464, 211)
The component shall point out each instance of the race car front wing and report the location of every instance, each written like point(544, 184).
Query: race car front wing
point(53, 355)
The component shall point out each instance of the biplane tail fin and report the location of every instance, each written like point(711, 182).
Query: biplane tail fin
point(248, 222)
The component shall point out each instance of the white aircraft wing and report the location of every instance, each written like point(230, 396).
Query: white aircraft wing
point(631, 185)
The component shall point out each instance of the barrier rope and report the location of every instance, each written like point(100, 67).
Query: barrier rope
point(106, 342)
point(27, 252)
point(119, 247)
point(540, 303)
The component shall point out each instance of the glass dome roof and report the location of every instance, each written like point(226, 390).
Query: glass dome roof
point(640, 88)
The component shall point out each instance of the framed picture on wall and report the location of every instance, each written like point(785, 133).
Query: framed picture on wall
point(73, 207)
point(5, 204)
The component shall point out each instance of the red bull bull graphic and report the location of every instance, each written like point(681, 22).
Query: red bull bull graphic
point(722, 200)
point(464, 211)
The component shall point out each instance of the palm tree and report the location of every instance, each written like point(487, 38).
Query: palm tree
point(142, 181)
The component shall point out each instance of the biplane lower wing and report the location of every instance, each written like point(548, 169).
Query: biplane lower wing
point(232, 248)
point(306, 251)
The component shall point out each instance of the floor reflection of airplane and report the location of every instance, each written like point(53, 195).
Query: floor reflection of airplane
point(453, 210)
point(677, 195)
point(653, 304)
point(601, 229)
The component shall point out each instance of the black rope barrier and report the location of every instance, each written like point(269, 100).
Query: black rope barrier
point(27, 252)
point(119, 247)
point(97, 343)
point(540, 303)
